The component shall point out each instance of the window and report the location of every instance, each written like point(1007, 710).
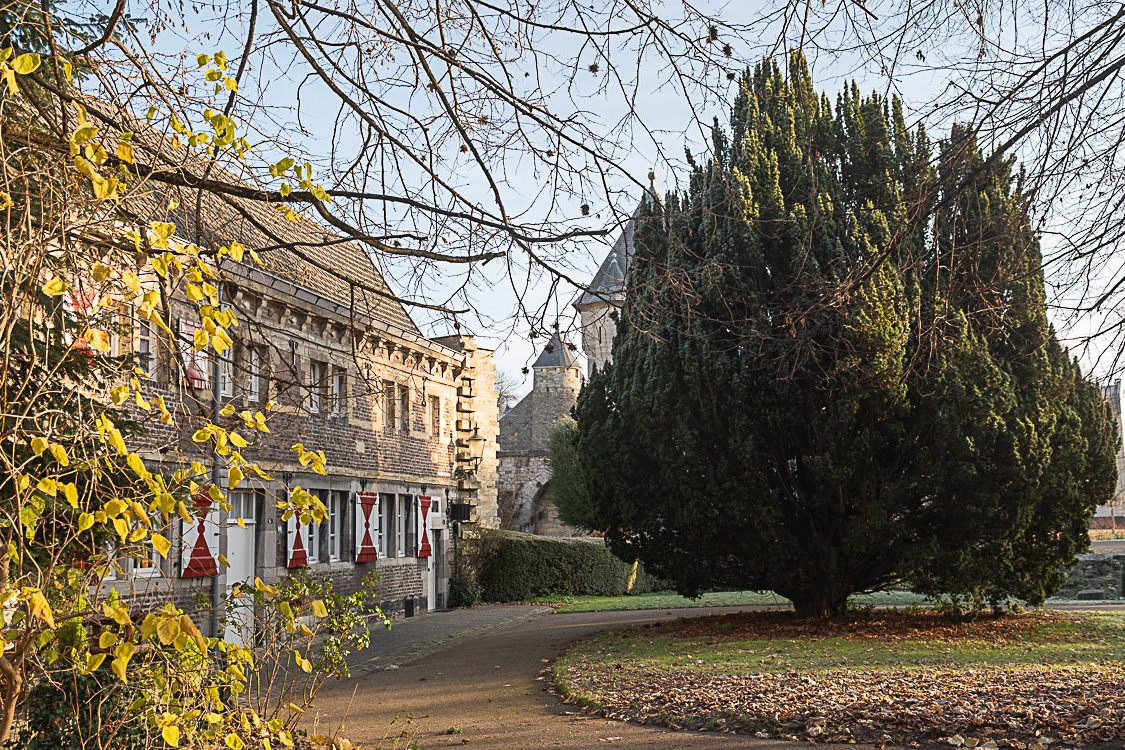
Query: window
point(243, 504)
point(337, 507)
point(385, 542)
point(146, 563)
point(318, 376)
point(390, 405)
point(146, 347)
point(434, 405)
point(405, 542)
point(253, 374)
point(404, 407)
point(226, 377)
point(338, 392)
point(196, 364)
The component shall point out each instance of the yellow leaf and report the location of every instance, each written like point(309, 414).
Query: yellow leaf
point(199, 339)
point(120, 667)
point(47, 486)
point(137, 465)
point(10, 79)
point(117, 612)
point(98, 340)
point(122, 528)
point(168, 630)
point(59, 452)
point(107, 639)
point(71, 494)
point(39, 608)
point(234, 477)
point(85, 521)
point(238, 440)
point(161, 545)
point(93, 661)
point(125, 152)
point(26, 63)
point(171, 735)
point(83, 133)
point(55, 288)
point(224, 561)
point(234, 742)
point(319, 609)
point(38, 445)
point(142, 403)
point(6, 200)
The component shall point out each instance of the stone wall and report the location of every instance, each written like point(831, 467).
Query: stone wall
point(1094, 573)
point(599, 326)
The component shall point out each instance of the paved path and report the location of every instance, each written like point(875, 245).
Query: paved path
point(491, 692)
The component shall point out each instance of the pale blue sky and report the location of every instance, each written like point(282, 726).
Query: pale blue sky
point(924, 69)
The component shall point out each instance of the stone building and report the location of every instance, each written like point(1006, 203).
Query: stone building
point(599, 306)
point(408, 423)
point(524, 442)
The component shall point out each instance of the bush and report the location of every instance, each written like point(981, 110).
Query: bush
point(511, 567)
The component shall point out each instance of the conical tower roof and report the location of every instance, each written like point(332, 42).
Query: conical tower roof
point(556, 354)
point(608, 284)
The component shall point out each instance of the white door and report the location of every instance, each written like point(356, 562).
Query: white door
point(240, 553)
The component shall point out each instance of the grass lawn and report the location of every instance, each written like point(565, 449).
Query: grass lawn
point(879, 676)
point(672, 600)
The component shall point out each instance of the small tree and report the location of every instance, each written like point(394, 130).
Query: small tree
point(835, 372)
point(567, 489)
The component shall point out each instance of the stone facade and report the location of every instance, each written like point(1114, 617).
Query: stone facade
point(525, 442)
point(1095, 576)
point(340, 369)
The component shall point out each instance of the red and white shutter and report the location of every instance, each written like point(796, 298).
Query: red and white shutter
point(423, 515)
point(298, 556)
point(196, 363)
point(366, 526)
point(199, 542)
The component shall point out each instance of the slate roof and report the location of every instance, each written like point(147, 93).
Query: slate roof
point(556, 354)
point(609, 281)
point(319, 260)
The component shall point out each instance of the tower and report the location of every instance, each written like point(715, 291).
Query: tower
point(525, 433)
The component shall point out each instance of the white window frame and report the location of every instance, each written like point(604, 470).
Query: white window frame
point(317, 374)
point(401, 504)
point(226, 376)
point(253, 374)
point(387, 509)
point(434, 416)
point(146, 346)
point(404, 407)
point(338, 392)
point(312, 542)
point(337, 503)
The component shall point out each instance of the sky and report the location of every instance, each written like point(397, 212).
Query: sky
point(288, 101)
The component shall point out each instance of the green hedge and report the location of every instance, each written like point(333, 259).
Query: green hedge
point(511, 567)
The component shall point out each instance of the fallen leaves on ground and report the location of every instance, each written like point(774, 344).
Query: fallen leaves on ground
point(976, 706)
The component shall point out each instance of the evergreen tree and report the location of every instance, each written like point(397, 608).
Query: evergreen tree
point(830, 378)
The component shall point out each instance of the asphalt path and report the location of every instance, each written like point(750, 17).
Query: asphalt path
point(490, 691)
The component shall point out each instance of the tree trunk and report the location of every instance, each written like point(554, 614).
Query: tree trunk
point(820, 604)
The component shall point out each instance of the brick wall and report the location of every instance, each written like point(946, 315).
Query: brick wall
point(404, 448)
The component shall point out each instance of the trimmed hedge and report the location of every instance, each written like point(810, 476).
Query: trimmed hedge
point(511, 566)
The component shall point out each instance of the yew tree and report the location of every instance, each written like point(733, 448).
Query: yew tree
point(834, 370)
